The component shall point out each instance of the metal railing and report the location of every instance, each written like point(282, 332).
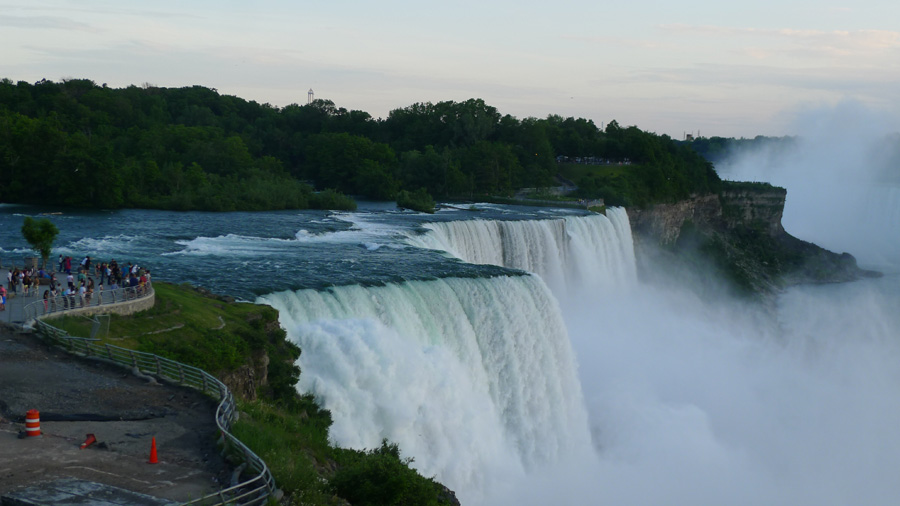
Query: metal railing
point(63, 303)
point(256, 490)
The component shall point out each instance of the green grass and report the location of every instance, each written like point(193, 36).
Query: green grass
point(293, 441)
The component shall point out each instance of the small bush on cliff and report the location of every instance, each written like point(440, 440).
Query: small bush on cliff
point(380, 477)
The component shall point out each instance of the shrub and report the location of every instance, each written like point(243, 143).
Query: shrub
point(379, 477)
point(418, 200)
point(331, 199)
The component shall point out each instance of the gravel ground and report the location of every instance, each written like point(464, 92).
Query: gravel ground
point(73, 390)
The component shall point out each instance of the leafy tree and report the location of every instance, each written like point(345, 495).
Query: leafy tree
point(40, 234)
point(491, 165)
point(438, 173)
point(351, 164)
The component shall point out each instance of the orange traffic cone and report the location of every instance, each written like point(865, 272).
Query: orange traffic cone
point(89, 441)
point(153, 459)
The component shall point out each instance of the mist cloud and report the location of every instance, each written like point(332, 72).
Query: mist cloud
point(841, 175)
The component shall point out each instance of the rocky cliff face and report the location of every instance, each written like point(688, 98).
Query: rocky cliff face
point(739, 235)
point(245, 381)
point(732, 210)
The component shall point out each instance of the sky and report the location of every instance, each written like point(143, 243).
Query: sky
point(709, 68)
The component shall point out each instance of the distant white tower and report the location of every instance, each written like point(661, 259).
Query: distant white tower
point(310, 96)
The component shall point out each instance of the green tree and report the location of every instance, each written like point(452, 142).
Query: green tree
point(40, 234)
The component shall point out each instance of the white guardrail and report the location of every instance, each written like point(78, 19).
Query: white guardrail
point(256, 490)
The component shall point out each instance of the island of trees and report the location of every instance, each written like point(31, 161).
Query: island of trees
point(76, 143)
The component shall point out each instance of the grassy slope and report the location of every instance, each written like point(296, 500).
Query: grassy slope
point(188, 326)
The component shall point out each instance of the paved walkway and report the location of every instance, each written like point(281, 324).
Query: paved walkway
point(76, 397)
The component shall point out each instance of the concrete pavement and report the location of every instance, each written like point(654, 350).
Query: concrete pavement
point(124, 412)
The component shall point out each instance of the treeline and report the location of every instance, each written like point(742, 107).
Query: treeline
point(81, 144)
point(642, 169)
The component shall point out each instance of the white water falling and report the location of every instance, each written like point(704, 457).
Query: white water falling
point(594, 252)
point(475, 378)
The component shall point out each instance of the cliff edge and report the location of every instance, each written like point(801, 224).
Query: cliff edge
point(738, 234)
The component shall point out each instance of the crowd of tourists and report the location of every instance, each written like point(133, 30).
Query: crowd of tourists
point(77, 284)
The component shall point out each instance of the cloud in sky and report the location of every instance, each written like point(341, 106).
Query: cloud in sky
point(43, 23)
point(850, 44)
point(664, 68)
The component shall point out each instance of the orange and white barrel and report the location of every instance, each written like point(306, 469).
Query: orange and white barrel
point(33, 423)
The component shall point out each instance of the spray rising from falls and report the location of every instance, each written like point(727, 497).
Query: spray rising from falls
point(474, 377)
point(594, 251)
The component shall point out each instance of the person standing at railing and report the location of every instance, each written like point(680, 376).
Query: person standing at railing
point(2, 298)
point(46, 301)
point(54, 297)
point(65, 297)
point(82, 293)
point(89, 293)
point(113, 287)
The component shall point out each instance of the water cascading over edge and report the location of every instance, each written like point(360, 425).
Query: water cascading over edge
point(593, 251)
point(474, 377)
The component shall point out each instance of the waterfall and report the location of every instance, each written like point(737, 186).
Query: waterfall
point(593, 251)
point(473, 377)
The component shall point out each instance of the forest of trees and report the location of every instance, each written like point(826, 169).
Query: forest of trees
point(76, 143)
